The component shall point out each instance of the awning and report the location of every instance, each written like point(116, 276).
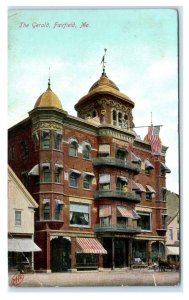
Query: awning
point(75, 172)
point(104, 178)
point(171, 250)
point(138, 186)
point(105, 211)
point(124, 179)
point(105, 148)
point(134, 158)
point(165, 168)
point(22, 245)
point(58, 166)
point(46, 165)
point(34, 171)
point(127, 212)
point(89, 245)
point(148, 165)
point(89, 174)
point(151, 189)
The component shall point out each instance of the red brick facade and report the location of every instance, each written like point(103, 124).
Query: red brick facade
point(53, 228)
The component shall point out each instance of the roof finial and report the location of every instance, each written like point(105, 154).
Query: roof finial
point(103, 62)
point(49, 79)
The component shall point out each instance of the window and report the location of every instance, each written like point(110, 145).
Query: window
point(164, 218)
point(46, 174)
point(86, 152)
point(121, 154)
point(94, 114)
point(145, 221)
point(25, 179)
point(148, 167)
point(122, 184)
point(105, 220)
point(120, 119)
point(150, 192)
point(45, 139)
point(104, 182)
point(11, 153)
point(57, 140)
point(58, 208)
point(171, 234)
point(87, 182)
point(73, 147)
point(18, 217)
point(46, 211)
point(104, 150)
point(122, 221)
point(57, 175)
point(125, 121)
point(36, 138)
point(73, 179)
point(114, 117)
point(79, 214)
point(24, 149)
point(148, 195)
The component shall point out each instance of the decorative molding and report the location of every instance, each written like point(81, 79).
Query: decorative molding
point(117, 135)
point(47, 125)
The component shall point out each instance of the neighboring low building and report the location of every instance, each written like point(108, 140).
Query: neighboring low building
point(21, 206)
point(173, 228)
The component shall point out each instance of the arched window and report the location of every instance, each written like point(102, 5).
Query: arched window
point(87, 182)
point(86, 151)
point(114, 117)
point(120, 119)
point(125, 121)
point(73, 147)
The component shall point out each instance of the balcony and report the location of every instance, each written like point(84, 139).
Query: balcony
point(130, 196)
point(116, 162)
point(99, 228)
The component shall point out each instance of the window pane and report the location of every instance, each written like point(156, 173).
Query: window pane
point(46, 139)
point(46, 212)
point(86, 152)
point(17, 217)
point(73, 180)
point(73, 149)
point(144, 221)
point(46, 175)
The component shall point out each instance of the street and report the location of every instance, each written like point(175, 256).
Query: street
point(119, 278)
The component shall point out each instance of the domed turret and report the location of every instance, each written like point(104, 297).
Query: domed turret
point(48, 99)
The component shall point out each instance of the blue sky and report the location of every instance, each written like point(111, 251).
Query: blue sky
point(141, 59)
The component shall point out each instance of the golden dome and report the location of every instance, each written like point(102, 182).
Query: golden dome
point(48, 99)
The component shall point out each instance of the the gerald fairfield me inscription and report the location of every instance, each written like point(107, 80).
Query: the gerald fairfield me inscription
point(55, 25)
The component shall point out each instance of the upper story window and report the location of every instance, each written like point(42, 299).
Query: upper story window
point(46, 209)
point(79, 214)
point(58, 208)
point(170, 232)
point(86, 151)
point(105, 214)
point(164, 169)
point(57, 172)
point(163, 220)
point(125, 121)
point(148, 167)
point(120, 119)
point(104, 150)
point(144, 221)
point(18, 220)
point(57, 140)
point(11, 153)
point(121, 154)
point(150, 192)
point(94, 114)
point(104, 181)
point(87, 180)
point(73, 147)
point(45, 139)
point(36, 138)
point(122, 184)
point(73, 178)
point(24, 149)
point(114, 117)
point(46, 172)
point(25, 179)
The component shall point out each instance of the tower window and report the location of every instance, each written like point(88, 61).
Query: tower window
point(57, 140)
point(46, 211)
point(120, 119)
point(86, 152)
point(114, 117)
point(45, 139)
point(46, 174)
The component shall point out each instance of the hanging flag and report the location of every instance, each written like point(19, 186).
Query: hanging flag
point(155, 141)
point(150, 133)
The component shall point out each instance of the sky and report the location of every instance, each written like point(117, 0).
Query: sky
point(142, 59)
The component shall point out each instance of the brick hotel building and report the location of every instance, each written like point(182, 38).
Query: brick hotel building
point(99, 187)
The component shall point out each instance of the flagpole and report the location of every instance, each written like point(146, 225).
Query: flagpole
point(151, 119)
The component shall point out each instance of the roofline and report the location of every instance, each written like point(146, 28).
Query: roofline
point(22, 187)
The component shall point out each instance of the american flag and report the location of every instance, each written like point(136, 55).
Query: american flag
point(153, 139)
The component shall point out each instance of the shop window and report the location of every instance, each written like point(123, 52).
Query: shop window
point(86, 152)
point(79, 214)
point(24, 149)
point(46, 174)
point(145, 221)
point(87, 182)
point(57, 140)
point(73, 148)
point(46, 211)
point(114, 117)
point(18, 220)
point(45, 139)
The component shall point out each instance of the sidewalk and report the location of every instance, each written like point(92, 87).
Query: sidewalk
point(141, 277)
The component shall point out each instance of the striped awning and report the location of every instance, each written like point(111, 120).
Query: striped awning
point(127, 212)
point(138, 186)
point(89, 245)
point(22, 245)
point(105, 211)
point(122, 178)
point(148, 164)
point(104, 178)
point(172, 250)
point(165, 168)
point(151, 189)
